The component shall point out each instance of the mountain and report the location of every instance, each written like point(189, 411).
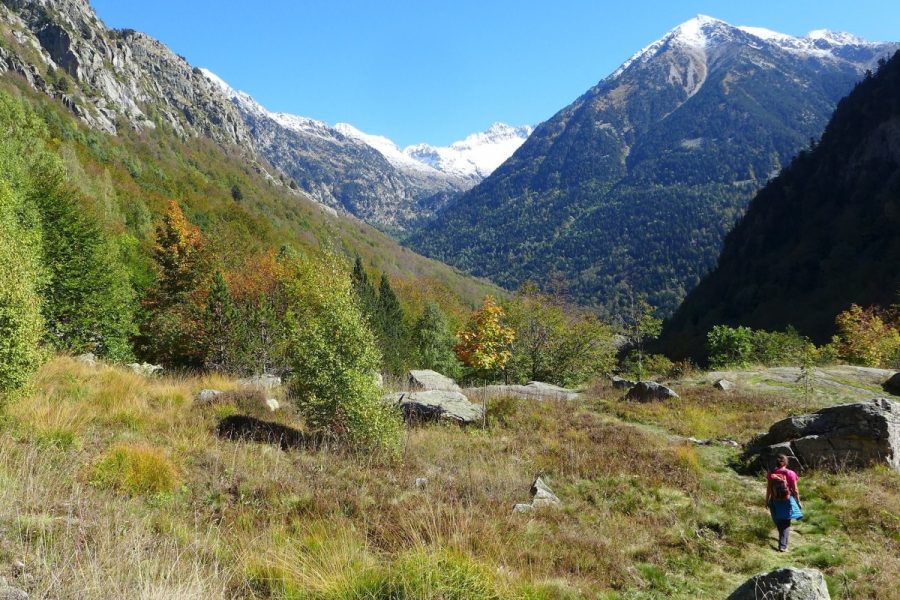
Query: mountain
point(820, 236)
point(633, 187)
point(112, 78)
point(151, 128)
point(366, 175)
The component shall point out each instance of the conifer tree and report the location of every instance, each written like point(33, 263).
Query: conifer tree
point(390, 327)
point(363, 290)
point(433, 341)
point(220, 324)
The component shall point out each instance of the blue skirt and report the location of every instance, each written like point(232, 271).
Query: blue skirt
point(785, 509)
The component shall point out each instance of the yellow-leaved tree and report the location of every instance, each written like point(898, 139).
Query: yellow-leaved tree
point(485, 343)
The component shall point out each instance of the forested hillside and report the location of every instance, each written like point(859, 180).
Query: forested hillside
point(820, 237)
point(631, 189)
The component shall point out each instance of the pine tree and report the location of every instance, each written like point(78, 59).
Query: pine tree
point(390, 327)
point(363, 290)
point(220, 326)
point(434, 342)
point(172, 331)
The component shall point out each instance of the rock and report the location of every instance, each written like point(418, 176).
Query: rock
point(206, 396)
point(847, 435)
point(535, 390)
point(273, 404)
point(541, 496)
point(18, 567)
point(621, 383)
point(421, 482)
point(724, 385)
point(87, 358)
point(426, 379)
point(145, 369)
point(379, 379)
point(435, 405)
point(648, 391)
point(266, 381)
point(12, 593)
point(698, 442)
point(892, 385)
point(784, 584)
point(728, 442)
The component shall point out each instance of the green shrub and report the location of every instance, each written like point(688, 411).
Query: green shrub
point(135, 469)
point(21, 326)
point(729, 346)
point(334, 358)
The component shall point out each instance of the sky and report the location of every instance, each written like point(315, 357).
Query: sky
point(435, 71)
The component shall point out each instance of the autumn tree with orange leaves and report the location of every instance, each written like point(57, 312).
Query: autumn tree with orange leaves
point(172, 332)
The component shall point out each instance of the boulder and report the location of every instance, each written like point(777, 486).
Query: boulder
point(541, 496)
point(426, 380)
point(421, 483)
point(847, 435)
point(145, 369)
point(648, 391)
point(435, 405)
point(87, 358)
point(620, 383)
point(273, 404)
point(784, 584)
point(892, 385)
point(535, 390)
point(724, 385)
point(12, 593)
point(206, 396)
point(266, 381)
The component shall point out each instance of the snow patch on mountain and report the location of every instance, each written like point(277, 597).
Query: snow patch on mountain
point(703, 33)
point(476, 156)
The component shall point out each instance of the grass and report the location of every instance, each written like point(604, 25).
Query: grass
point(113, 485)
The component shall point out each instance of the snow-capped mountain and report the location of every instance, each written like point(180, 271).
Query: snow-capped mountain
point(473, 158)
point(632, 188)
point(369, 175)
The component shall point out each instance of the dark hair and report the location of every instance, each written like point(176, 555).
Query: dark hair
point(781, 460)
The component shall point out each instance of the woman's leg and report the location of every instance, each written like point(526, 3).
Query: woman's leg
point(784, 533)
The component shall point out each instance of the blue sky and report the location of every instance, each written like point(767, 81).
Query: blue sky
point(430, 71)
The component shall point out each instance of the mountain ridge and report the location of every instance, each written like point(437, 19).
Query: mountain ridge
point(631, 189)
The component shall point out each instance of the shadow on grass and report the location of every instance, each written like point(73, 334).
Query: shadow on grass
point(244, 428)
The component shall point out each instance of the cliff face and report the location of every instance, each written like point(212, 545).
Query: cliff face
point(111, 78)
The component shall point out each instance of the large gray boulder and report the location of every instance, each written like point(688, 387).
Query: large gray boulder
point(426, 379)
point(541, 496)
point(784, 584)
point(266, 381)
point(648, 391)
point(892, 385)
point(435, 405)
point(847, 435)
point(535, 390)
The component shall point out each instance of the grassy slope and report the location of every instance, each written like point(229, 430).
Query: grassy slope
point(645, 514)
point(127, 180)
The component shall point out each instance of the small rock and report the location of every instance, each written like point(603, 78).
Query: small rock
point(273, 404)
point(18, 567)
point(647, 391)
point(421, 482)
point(698, 442)
point(724, 385)
point(267, 381)
point(87, 358)
point(379, 379)
point(784, 584)
point(145, 369)
point(12, 593)
point(728, 442)
point(206, 396)
point(522, 508)
point(542, 495)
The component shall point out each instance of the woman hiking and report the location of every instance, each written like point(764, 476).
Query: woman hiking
point(783, 499)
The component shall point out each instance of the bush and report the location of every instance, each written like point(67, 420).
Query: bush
point(867, 338)
point(135, 469)
point(334, 358)
point(741, 346)
point(21, 326)
point(729, 346)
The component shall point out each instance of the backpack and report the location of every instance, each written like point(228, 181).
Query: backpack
point(780, 489)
